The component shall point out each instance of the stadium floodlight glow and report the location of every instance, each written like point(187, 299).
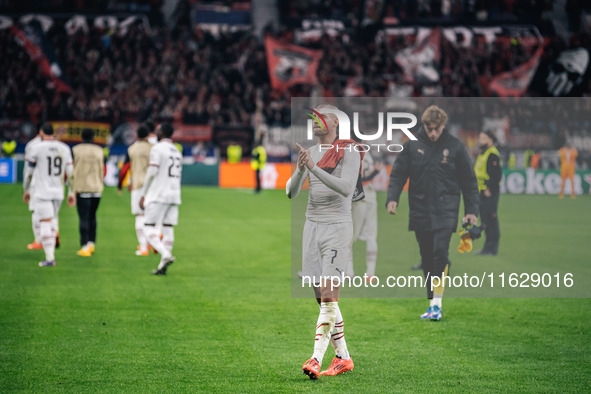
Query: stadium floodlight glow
point(344, 132)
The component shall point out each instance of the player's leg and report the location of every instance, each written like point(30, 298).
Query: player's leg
point(45, 209)
point(571, 176)
point(168, 222)
point(36, 231)
point(425, 241)
point(139, 223)
point(563, 176)
point(312, 271)
point(155, 213)
point(94, 203)
point(336, 241)
point(441, 264)
point(55, 226)
point(370, 234)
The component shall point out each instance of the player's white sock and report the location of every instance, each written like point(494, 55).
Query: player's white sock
point(436, 301)
point(47, 240)
point(325, 324)
point(36, 228)
point(153, 236)
point(55, 226)
point(139, 231)
point(371, 256)
point(337, 339)
point(168, 237)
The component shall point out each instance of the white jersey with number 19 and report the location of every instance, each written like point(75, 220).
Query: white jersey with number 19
point(166, 187)
point(51, 160)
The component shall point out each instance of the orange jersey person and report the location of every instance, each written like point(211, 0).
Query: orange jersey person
point(568, 156)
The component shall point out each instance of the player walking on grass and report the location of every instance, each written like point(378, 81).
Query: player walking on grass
point(137, 163)
point(161, 195)
point(439, 170)
point(36, 244)
point(334, 178)
point(48, 163)
point(365, 215)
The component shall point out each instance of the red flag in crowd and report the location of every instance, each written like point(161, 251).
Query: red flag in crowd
point(290, 64)
point(514, 83)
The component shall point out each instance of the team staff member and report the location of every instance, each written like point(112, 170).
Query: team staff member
point(89, 172)
point(488, 174)
point(439, 169)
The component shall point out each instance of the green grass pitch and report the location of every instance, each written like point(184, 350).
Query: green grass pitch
point(223, 320)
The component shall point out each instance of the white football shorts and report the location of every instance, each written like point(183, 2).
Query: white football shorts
point(161, 213)
point(136, 195)
point(326, 250)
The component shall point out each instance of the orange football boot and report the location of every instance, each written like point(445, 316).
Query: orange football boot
point(311, 368)
point(338, 366)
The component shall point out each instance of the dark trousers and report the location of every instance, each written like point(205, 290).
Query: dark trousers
point(490, 222)
point(87, 207)
point(258, 180)
point(434, 248)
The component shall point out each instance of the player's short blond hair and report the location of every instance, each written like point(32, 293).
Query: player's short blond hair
point(434, 114)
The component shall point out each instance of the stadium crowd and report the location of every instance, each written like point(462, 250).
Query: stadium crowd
point(187, 74)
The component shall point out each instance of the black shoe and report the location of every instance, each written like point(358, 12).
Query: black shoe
point(162, 271)
point(57, 241)
point(419, 266)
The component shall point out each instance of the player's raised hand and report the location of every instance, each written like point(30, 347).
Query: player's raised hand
point(26, 197)
point(392, 205)
point(304, 159)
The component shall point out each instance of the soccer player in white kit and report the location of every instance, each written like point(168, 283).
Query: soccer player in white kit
point(48, 163)
point(35, 220)
point(161, 195)
point(328, 235)
point(365, 215)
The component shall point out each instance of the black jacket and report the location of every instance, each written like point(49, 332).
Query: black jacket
point(438, 172)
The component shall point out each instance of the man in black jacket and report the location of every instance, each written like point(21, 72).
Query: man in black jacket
point(439, 169)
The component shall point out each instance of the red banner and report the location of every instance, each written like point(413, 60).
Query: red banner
point(291, 64)
point(514, 83)
point(38, 56)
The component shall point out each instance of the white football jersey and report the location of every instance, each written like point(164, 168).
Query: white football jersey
point(366, 170)
point(166, 186)
point(28, 148)
point(51, 161)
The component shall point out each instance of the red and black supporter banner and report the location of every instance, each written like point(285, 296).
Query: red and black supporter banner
point(291, 64)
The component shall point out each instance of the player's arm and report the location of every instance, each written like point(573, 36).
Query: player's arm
point(69, 171)
point(295, 183)
point(27, 177)
point(398, 178)
point(468, 184)
point(345, 185)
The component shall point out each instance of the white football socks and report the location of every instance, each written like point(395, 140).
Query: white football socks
point(324, 326)
point(168, 237)
point(139, 231)
point(47, 240)
point(36, 228)
point(337, 339)
point(153, 236)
